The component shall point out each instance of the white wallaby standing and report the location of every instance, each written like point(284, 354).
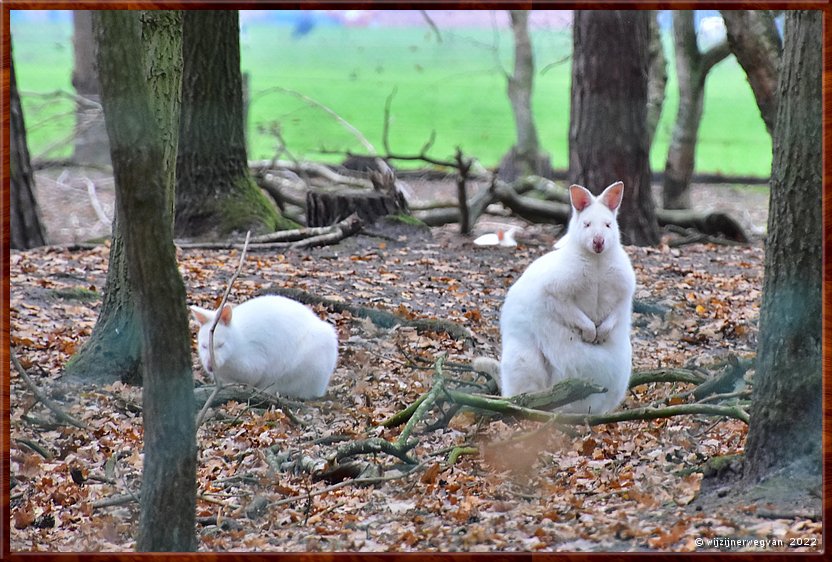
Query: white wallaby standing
point(272, 343)
point(569, 314)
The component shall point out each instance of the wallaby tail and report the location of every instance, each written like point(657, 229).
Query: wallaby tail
point(488, 366)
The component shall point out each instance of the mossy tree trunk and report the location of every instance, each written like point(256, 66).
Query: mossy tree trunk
point(692, 67)
point(608, 137)
point(525, 157)
point(26, 230)
point(786, 415)
point(113, 351)
point(143, 186)
point(215, 194)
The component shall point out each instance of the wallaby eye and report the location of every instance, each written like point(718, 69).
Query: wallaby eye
point(218, 345)
point(608, 224)
point(586, 224)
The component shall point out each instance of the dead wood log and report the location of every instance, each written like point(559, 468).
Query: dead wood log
point(380, 318)
point(310, 169)
point(324, 208)
point(712, 223)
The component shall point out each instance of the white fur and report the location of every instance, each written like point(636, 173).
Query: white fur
point(569, 314)
point(272, 343)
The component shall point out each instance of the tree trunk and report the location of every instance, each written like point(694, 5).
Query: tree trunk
point(608, 117)
point(656, 79)
point(215, 194)
point(113, 351)
point(91, 145)
point(692, 67)
point(753, 38)
point(525, 157)
point(26, 230)
point(786, 412)
point(168, 496)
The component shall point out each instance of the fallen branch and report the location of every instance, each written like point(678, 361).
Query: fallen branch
point(666, 375)
point(54, 408)
point(289, 239)
point(380, 318)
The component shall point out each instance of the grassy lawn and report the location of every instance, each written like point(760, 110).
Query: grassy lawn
point(455, 88)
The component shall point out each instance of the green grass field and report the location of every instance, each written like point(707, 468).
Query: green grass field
point(455, 88)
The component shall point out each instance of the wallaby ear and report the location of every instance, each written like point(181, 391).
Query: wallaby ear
point(225, 315)
point(580, 196)
point(201, 315)
point(612, 195)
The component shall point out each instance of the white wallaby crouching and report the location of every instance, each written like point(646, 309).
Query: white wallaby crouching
point(569, 314)
point(272, 343)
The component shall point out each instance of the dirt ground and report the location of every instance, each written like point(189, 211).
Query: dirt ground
point(520, 486)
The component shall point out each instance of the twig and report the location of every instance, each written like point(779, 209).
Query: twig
point(217, 381)
point(355, 132)
point(432, 25)
point(35, 447)
point(59, 413)
point(456, 452)
point(96, 204)
point(437, 387)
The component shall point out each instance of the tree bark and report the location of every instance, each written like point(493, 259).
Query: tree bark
point(786, 415)
point(608, 138)
point(113, 351)
point(692, 68)
point(525, 157)
point(215, 194)
point(25, 228)
point(168, 500)
point(656, 79)
point(753, 38)
point(91, 144)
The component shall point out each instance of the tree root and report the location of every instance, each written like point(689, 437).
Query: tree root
point(380, 318)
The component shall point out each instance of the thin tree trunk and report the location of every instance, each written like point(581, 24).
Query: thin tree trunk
point(786, 415)
point(608, 117)
point(91, 145)
point(168, 499)
point(525, 157)
point(215, 194)
point(656, 79)
point(692, 68)
point(26, 230)
point(753, 38)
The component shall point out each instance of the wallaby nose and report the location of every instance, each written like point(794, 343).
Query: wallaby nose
point(598, 244)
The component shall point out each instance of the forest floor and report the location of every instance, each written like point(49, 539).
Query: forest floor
point(521, 486)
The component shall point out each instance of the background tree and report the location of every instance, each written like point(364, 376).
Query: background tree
point(692, 67)
point(215, 194)
point(656, 78)
point(91, 146)
point(26, 230)
point(525, 157)
point(168, 496)
point(113, 350)
point(608, 138)
point(753, 38)
point(786, 420)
